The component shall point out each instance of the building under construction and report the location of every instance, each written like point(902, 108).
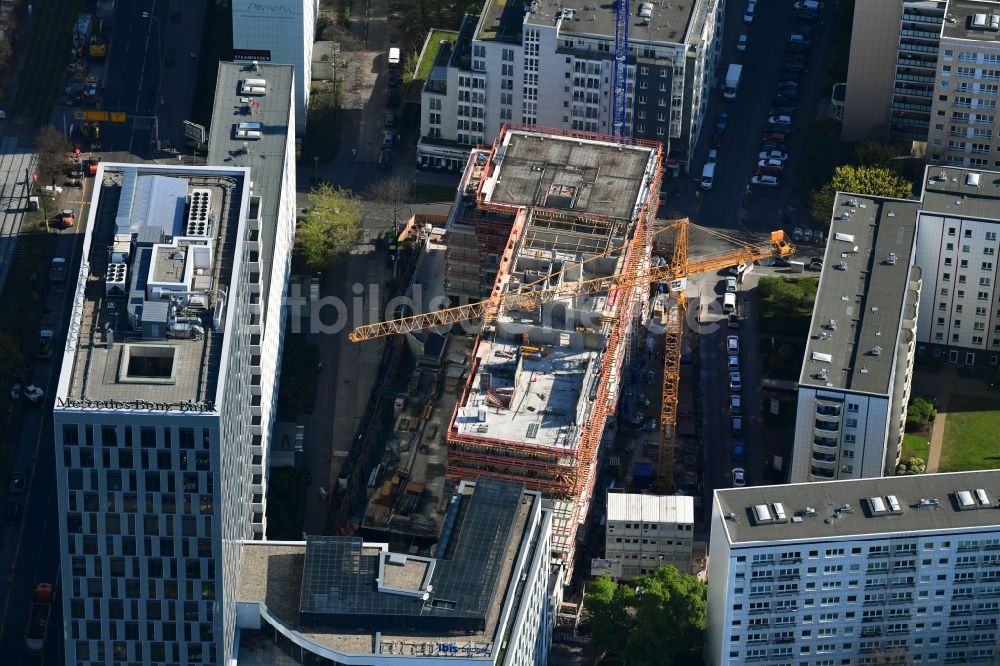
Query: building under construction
point(549, 209)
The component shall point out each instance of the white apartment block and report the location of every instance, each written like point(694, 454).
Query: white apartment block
point(855, 381)
point(280, 32)
point(168, 382)
point(487, 596)
point(645, 532)
point(963, 128)
point(957, 245)
point(872, 571)
point(551, 63)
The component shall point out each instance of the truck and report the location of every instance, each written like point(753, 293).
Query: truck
point(38, 620)
point(732, 81)
point(57, 270)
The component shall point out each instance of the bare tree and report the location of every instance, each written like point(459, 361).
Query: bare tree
point(53, 152)
point(392, 198)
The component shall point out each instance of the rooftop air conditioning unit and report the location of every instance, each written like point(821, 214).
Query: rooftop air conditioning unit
point(114, 280)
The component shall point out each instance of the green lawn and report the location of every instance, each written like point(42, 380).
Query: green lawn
point(915, 445)
point(970, 434)
point(433, 45)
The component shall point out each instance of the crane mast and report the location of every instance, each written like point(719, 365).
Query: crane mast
point(621, 68)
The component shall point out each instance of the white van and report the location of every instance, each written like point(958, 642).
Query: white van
point(393, 57)
point(729, 302)
point(707, 176)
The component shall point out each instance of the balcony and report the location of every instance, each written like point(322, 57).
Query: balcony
point(913, 92)
point(917, 63)
point(915, 78)
point(822, 473)
point(917, 48)
point(827, 442)
point(919, 18)
point(920, 108)
point(820, 457)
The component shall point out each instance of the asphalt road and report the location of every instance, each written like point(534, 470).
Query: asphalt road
point(30, 550)
point(132, 78)
point(732, 203)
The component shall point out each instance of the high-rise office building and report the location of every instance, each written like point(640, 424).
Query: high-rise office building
point(280, 32)
point(167, 386)
point(901, 570)
point(551, 63)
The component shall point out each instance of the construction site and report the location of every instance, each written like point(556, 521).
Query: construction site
point(547, 259)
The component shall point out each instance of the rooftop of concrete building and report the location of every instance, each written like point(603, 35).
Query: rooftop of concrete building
point(359, 598)
point(901, 505)
point(252, 125)
point(534, 367)
point(861, 301)
point(149, 316)
point(977, 20)
point(970, 193)
point(582, 176)
point(650, 508)
point(649, 21)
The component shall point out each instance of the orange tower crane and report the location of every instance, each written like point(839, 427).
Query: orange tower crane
point(673, 274)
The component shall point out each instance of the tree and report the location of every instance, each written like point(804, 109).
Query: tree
point(656, 620)
point(330, 228)
point(872, 180)
point(53, 151)
point(391, 196)
point(12, 364)
point(785, 304)
point(877, 154)
point(919, 414)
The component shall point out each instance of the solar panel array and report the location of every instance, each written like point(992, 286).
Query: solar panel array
point(339, 587)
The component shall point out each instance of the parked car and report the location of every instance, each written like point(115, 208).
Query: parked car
point(773, 137)
point(735, 381)
point(736, 424)
point(713, 155)
point(763, 164)
point(735, 404)
point(778, 155)
point(13, 513)
point(793, 67)
point(722, 121)
point(390, 119)
point(749, 13)
point(717, 138)
point(782, 110)
point(741, 43)
point(768, 171)
point(798, 47)
point(780, 128)
point(779, 120)
point(388, 140)
point(33, 393)
point(733, 321)
point(815, 264)
point(733, 344)
point(770, 181)
point(733, 363)
point(787, 95)
point(738, 451)
point(771, 145)
point(739, 479)
point(790, 80)
point(731, 284)
point(393, 79)
point(392, 99)
point(781, 263)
